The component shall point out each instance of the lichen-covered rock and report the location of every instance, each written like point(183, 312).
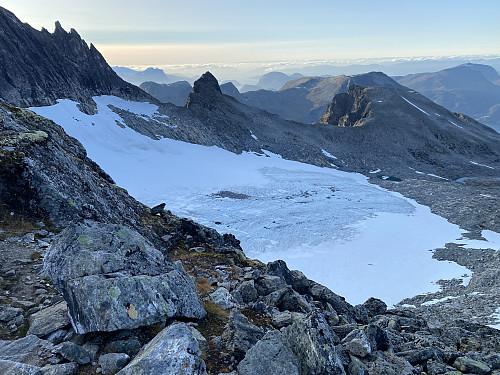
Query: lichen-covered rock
point(112, 278)
point(49, 320)
point(61, 369)
point(173, 351)
point(270, 355)
point(15, 368)
point(469, 365)
point(313, 343)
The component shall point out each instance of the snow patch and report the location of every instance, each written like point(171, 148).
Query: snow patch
point(434, 301)
point(496, 317)
point(436, 176)
point(254, 136)
point(420, 109)
point(328, 155)
point(376, 171)
point(481, 165)
point(458, 126)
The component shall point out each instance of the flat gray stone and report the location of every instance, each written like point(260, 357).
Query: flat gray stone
point(49, 320)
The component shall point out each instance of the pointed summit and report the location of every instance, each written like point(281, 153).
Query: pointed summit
point(206, 83)
point(206, 91)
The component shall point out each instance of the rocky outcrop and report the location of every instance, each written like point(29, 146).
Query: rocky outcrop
point(347, 109)
point(112, 279)
point(172, 351)
point(39, 67)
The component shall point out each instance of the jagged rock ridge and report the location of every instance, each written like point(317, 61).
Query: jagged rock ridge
point(39, 67)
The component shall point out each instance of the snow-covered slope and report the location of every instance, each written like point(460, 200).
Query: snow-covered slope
point(354, 237)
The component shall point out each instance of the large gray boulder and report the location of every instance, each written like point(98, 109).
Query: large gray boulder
point(173, 351)
point(269, 356)
point(313, 342)
point(112, 278)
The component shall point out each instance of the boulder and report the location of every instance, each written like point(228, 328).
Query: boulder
point(388, 364)
point(73, 352)
point(173, 351)
point(14, 368)
point(112, 278)
point(246, 292)
point(49, 320)
point(313, 342)
point(240, 335)
point(28, 350)
point(375, 306)
point(356, 343)
point(113, 362)
point(472, 366)
point(222, 298)
point(62, 369)
point(270, 355)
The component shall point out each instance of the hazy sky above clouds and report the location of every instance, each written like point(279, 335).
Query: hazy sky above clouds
point(153, 33)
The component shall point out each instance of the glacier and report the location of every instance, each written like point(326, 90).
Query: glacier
point(354, 237)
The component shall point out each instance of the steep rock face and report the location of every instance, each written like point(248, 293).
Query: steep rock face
point(347, 109)
point(38, 67)
point(175, 93)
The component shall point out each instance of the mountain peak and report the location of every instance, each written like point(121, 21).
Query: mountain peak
point(206, 83)
point(205, 91)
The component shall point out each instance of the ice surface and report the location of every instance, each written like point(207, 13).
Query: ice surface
point(354, 237)
point(420, 109)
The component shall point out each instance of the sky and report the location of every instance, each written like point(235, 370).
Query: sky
point(159, 33)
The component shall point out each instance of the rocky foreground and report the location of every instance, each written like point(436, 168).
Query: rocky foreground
point(95, 282)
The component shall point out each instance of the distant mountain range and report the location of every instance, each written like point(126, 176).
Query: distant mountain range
point(472, 89)
point(175, 93)
point(156, 75)
point(305, 99)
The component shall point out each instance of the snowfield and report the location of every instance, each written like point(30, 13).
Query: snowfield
point(352, 236)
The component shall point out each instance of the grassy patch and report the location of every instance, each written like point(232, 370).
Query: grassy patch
point(35, 255)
